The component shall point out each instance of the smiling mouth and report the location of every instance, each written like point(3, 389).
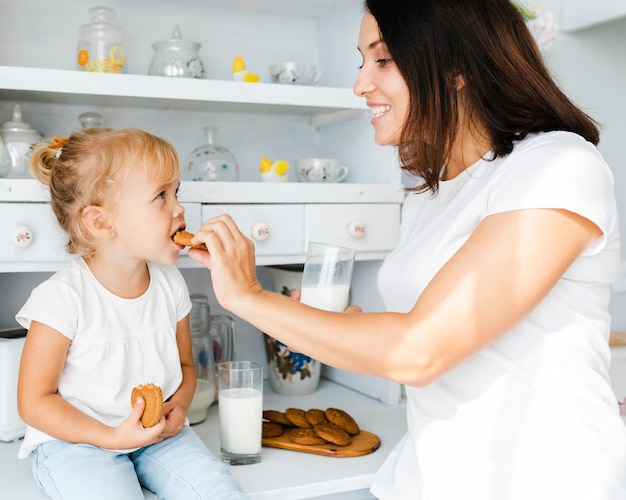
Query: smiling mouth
point(380, 110)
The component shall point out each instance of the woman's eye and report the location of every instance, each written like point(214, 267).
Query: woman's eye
point(383, 61)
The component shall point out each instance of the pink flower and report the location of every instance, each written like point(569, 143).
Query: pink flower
point(540, 22)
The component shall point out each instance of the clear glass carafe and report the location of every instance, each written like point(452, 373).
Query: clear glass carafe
point(210, 162)
point(101, 45)
point(203, 359)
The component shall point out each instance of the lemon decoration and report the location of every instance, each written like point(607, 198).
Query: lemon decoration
point(240, 74)
point(280, 167)
point(265, 165)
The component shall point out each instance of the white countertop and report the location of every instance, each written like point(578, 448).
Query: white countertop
point(281, 474)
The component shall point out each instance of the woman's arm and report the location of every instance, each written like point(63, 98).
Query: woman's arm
point(176, 407)
point(496, 278)
point(40, 405)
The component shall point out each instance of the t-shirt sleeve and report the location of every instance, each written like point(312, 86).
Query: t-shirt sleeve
point(562, 171)
point(54, 304)
point(181, 292)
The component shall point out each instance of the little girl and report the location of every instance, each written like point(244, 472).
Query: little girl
point(114, 318)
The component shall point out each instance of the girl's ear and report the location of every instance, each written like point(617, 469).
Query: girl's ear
point(95, 220)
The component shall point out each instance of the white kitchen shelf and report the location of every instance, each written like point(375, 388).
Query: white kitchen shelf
point(29, 190)
point(314, 8)
point(85, 88)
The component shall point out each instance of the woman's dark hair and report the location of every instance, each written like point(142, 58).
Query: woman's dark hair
point(508, 90)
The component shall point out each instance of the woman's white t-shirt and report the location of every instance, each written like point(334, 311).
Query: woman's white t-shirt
point(116, 343)
point(533, 415)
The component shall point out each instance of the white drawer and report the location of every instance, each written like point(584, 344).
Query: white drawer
point(275, 229)
point(29, 233)
point(363, 227)
point(193, 216)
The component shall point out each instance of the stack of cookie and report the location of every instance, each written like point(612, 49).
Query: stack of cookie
point(311, 427)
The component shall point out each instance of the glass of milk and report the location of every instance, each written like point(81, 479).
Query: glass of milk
point(240, 401)
point(327, 276)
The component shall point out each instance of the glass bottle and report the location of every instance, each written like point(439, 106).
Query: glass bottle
point(101, 44)
point(210, 162)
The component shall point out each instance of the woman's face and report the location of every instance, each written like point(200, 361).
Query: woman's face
point(381, 83)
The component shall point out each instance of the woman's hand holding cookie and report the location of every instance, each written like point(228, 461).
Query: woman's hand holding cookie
point(230, 258)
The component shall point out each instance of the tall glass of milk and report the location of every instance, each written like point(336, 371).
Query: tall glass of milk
point(240, 400)
point(327, 276)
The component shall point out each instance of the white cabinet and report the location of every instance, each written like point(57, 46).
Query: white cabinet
point(255, 120)
point(371, 228)
point(31, 235)
point(276, 230)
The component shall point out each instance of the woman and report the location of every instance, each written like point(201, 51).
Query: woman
point(497, 293)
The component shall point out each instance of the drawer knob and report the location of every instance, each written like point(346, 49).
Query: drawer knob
point(356, 229)
point(260, 231)
point(22, 236)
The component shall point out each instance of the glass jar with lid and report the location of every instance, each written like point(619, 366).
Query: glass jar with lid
point(176, 57)
point(101, 44)
point(19, 138)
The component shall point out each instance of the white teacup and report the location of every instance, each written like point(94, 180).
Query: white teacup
point(320, 170)
point(273, 177)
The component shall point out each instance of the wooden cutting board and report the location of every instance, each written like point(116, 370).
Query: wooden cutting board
point(363, 443)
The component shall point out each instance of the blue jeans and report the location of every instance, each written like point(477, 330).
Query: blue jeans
point(181, 467)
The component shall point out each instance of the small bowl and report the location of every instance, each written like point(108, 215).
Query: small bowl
point(291, 73)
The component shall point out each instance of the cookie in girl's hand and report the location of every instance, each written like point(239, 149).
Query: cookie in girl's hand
point(153, 397)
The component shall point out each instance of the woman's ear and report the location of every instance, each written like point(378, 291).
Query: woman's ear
point(459, 82)
point(96, 221)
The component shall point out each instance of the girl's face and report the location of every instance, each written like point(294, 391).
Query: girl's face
point(381, 83)
point(146, 215)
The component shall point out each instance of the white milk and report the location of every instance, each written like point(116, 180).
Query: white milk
point(241, 416)
point(330, 298)
point(202, 399)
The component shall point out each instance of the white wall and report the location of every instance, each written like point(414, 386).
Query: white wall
point(591, 66)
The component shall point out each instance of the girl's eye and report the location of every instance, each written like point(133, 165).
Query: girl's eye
point(161, 195)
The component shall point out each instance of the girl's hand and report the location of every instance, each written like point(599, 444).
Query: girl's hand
point(132, 434)
point(174, 419)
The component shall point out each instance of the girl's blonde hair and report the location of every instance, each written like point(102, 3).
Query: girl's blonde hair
point(85, 168)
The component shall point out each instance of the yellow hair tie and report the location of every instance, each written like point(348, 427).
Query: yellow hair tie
point(58, 142)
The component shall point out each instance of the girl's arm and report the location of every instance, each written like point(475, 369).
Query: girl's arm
point(176, 407)
point(40, 406)
point(507, 266)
